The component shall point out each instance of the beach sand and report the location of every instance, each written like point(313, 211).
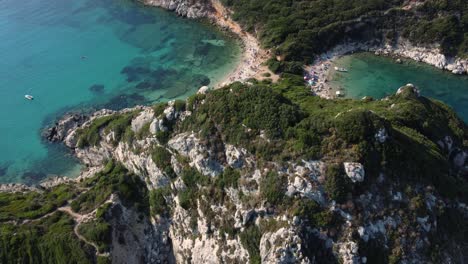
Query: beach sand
point(324, 70)
point(251, 64)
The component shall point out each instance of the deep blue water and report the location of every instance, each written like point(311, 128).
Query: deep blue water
point(84, 54)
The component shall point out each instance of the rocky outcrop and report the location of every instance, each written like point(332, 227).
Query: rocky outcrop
point(429, 55)
point(188, 145)
point(355, 171)
point(403, 49)
point(63, 127)
point(138, 239)
point(282, 246)
point(187, 8)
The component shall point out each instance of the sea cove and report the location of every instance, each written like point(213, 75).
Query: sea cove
point(376, 76)
point(82, 55)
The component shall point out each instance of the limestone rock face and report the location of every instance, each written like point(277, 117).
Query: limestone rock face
point(63, 127)
point(355, 171)
point(186, 8)
point(348, 252)
point(203, 90)
point(282, 246)
point(188, 145)
point(142, 119)
point(410, 87)
point(430, 55)
point(139, 240)
point(234, 156)
point(207, 247)
point(157, 125)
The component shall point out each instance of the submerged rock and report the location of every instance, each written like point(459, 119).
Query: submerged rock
point(97, 88)
point(30, 177)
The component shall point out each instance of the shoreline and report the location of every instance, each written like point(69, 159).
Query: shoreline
point(253, 57)
point(323, 66)
point(250, 65)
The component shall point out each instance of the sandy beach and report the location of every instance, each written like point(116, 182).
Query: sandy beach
point(253, 56)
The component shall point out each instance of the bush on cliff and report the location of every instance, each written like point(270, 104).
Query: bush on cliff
point(48, 240)
point(115, 178)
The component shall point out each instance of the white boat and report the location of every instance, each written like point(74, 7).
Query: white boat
point(29, 97)
point(340, 69)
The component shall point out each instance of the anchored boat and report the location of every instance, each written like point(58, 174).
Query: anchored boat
point(29, 97)
point(341, 69)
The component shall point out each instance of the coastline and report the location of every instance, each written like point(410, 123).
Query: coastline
point(323, 66)
point(251, 63)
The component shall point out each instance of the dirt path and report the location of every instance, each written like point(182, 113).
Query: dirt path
point(80, 218)
point(77, 218)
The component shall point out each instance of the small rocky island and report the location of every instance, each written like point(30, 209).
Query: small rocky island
point(258, 171)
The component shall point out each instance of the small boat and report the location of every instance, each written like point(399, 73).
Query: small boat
point(341, 69)
point(29, 97)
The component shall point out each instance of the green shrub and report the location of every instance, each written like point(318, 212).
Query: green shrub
point(159, 109)
point(117, 123)
point(158, 202)
point(179, 105)
point(272, 188)
point(162, 158)
point(163, 137)
point(250, 239)
point(16, 206)
point(89, 136)
point(103, 260)
point(48, 240)
point(97, 231)
point(115, 178)
point(229, 178)
point(337, 184)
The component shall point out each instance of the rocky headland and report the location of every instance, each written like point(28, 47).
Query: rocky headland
point(253, 173)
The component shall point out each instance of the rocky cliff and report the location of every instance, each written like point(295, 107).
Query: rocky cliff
point(187, 8)
point(213, 197)
point(256, 172)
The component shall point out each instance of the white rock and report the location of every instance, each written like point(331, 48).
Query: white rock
point(381, 135)
point(142, 119)
point(188, 145)
point(234, 156)
point(355, 171)
point(203, 90)
point(157, 125)
point(348, 252)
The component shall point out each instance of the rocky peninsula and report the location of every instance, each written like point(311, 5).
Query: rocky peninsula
point(254, 172)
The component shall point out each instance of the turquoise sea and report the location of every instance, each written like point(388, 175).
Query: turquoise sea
point(375, 76)
point(87, 54)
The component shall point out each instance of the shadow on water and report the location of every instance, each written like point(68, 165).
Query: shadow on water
point(60, 161)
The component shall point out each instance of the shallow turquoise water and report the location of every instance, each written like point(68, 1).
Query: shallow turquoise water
point(375, 76)
point(57, 50)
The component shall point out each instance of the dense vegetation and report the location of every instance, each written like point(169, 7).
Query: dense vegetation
point(33, 231)
point(14, 206)
point(278, 123)
point(48, 240)
point(295, 125)
point(118, 124)
point(115, 178)
point(298, 30)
